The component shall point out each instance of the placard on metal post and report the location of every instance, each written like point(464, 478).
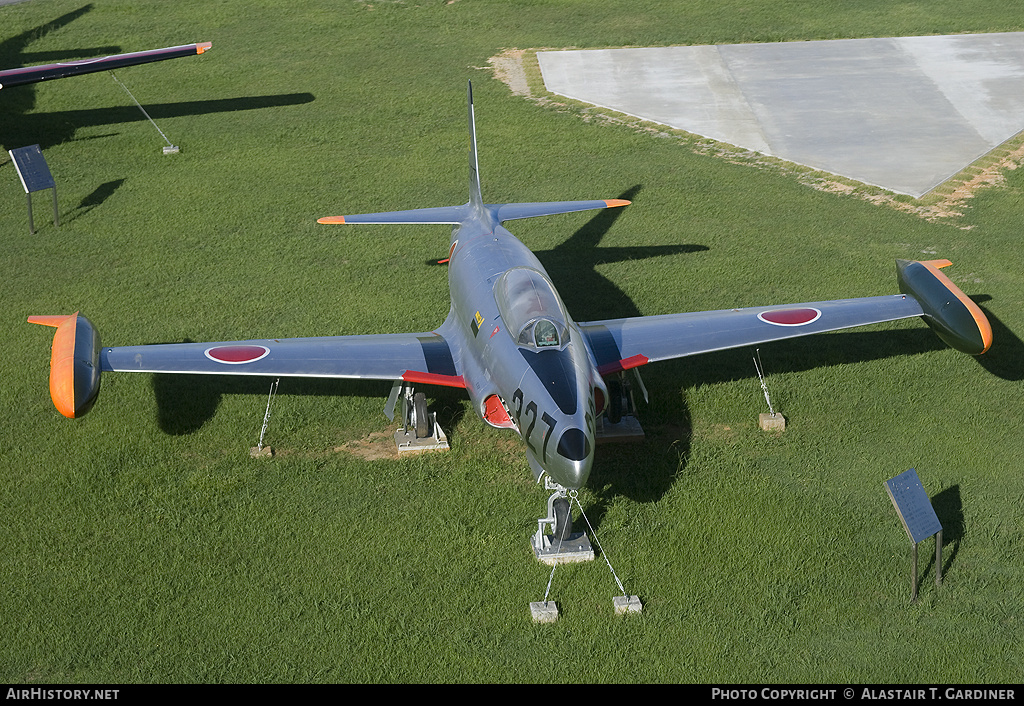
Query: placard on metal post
point(918, 517)
point(35, 176)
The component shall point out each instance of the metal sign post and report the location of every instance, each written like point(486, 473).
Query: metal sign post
point(919, 520)
point(35, 176)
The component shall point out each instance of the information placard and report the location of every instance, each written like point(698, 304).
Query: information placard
point(32, 168)
point(913, 506)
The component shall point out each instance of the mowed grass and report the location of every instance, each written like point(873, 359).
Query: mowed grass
point(141, 543)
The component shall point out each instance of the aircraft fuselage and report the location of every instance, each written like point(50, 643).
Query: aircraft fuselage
point(525, 363)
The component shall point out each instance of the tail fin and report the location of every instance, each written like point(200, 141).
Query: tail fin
point(476, 201)
point(439, 214)
point(475, 207)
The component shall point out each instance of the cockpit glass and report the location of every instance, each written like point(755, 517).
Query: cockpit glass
point(530, 308)
point(545, 334)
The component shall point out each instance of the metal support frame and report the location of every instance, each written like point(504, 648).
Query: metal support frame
point(938, 567)
point(919, 520)
point(35, 175)
point(56, 214)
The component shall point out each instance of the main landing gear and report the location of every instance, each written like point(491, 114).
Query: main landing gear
point(419, 431)
point(619, 422)
point(562, 546)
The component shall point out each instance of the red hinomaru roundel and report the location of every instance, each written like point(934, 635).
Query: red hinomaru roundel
point(234, 355)
point(790, 317)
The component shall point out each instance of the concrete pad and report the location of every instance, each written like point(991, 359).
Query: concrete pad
point(771, 422)
point(902, 113)
point(544, 612)
point(627, 604)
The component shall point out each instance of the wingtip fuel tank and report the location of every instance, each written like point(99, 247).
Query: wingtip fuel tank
point(954, 317)
point(74, 363)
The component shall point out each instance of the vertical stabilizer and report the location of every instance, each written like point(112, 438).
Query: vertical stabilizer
point(475, 208)
point(476, 201)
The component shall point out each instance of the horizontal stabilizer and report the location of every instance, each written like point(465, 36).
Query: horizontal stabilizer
point(947, 310)
point(459, 214)
point(439, 214)
point(512, 211)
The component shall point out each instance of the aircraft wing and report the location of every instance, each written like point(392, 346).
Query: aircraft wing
point(620, 344)
point(34, 74)
point(418, 357)
point(77, 359)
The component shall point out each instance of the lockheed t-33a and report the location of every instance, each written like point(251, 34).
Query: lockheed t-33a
point(508, 340)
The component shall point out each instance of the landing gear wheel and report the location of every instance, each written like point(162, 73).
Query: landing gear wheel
point(563, 520)
point(421, 419)
point(614, 401)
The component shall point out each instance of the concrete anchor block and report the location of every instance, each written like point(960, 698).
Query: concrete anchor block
point(544, 611)
point(627, 604)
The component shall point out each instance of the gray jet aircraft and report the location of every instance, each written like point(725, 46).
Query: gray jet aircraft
point(510, 343)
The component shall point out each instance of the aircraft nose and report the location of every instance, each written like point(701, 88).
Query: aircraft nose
point(576, 447)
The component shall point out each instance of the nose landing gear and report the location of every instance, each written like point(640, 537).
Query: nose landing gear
point(562, 546)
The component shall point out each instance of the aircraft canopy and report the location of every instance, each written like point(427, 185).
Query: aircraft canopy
point(531, 309)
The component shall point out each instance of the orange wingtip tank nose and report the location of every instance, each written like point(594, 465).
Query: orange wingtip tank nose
point(203, 46)
point(331, 219)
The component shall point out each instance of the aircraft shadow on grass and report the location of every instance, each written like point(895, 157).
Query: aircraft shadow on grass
point(13, 54)
point(16, 102)
point(186, 402)
point(1006, 357)
point(49, 129)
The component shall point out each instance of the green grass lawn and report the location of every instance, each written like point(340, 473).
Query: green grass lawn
point(142, 543)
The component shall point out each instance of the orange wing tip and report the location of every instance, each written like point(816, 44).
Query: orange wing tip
point(984, 326)
point(331, 219)
point(203, 46)
point(54, 320)
point(612, 203)
point(961, 339)
point(74, 363)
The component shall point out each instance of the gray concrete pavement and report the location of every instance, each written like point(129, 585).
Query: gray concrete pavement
point(902, 113)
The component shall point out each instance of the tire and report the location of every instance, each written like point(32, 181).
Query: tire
point(614, 412)
point(563, 520)
point(420, 417)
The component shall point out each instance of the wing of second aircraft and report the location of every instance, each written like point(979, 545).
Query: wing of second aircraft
point(34, 74)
